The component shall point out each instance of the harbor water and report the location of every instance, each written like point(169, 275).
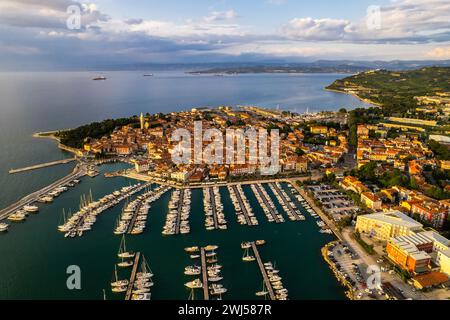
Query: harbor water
point(35, 256)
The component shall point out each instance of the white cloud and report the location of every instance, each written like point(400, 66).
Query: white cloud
point(318, 29)
point(415, 21)
point(440, 53)
point(220, 16)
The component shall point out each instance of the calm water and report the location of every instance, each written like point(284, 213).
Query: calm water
point(35, 256)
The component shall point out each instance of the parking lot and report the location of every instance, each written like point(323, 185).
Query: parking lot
point(334, 201)
point(350, 266)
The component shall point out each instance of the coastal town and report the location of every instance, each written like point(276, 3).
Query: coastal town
point(381, 188)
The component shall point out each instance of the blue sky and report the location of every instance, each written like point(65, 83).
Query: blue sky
point(34, 33)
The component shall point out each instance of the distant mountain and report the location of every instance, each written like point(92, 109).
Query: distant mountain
point(320, 66)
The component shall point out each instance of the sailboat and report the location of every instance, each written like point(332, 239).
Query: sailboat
point(123, 253)
point(117, 282)
point(263, 292)
point(145, 271)
point(247, 257)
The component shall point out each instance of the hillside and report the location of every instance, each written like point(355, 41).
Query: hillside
point(395, 91)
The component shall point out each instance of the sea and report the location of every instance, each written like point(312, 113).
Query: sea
point(35, 257)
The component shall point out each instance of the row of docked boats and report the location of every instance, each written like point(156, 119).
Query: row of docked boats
point(20, 215)
point(275, 280)
point(213, 207)
point(83, 220)
point(323, 227)
point(242, 207)
point(267, 204)
point(143, 279)
point(133, 218)
point(56, 192)
point(286, 202)
point(177, 220)
point(212, 272)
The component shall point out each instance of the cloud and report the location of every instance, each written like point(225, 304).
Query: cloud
point(47, 14)
point(221, 16)
point(277, 2)
point(403, 21)
point(318, 29)
point(440, 53)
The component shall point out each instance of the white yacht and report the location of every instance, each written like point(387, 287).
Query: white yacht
point(31, 209)
point(4, 227)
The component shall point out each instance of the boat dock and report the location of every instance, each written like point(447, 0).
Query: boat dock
point(266, 202)
point(78, 172)
point(204, 274)
point(263, 272)
point(133, 219)
point(213, 207)
point(133, 276)
point(42, 165)
point(287, 205)
point(180, 208)
point(242, 205)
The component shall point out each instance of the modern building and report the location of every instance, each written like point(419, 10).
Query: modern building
point(411, 252)
point(384, 226)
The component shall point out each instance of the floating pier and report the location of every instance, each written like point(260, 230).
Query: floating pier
point(266, 202)
point(263, 272)
point(204, 274)
point(213, 207)
point(133, 276)
point(133, 219)
point(180, 208)
point(242, 205)
point(292, 212)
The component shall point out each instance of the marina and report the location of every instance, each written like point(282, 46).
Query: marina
point(243, 209)
point(83, 220)
point(272, 285)
point(133, 218)
point(213, 207)
point(209, 270)
point(287, 204)
point(177, 220)
point(242, 281)
point(46, 194)
point(267, 204)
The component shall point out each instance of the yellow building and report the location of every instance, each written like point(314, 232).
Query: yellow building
point(384, 226)
point(445, 164)
point(371, 200)
point(319, 129)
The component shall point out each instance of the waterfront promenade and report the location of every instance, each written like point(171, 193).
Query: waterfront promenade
point(146, 178)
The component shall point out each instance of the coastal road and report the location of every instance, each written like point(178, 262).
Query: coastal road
point(132, 174)
point(79, 171)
